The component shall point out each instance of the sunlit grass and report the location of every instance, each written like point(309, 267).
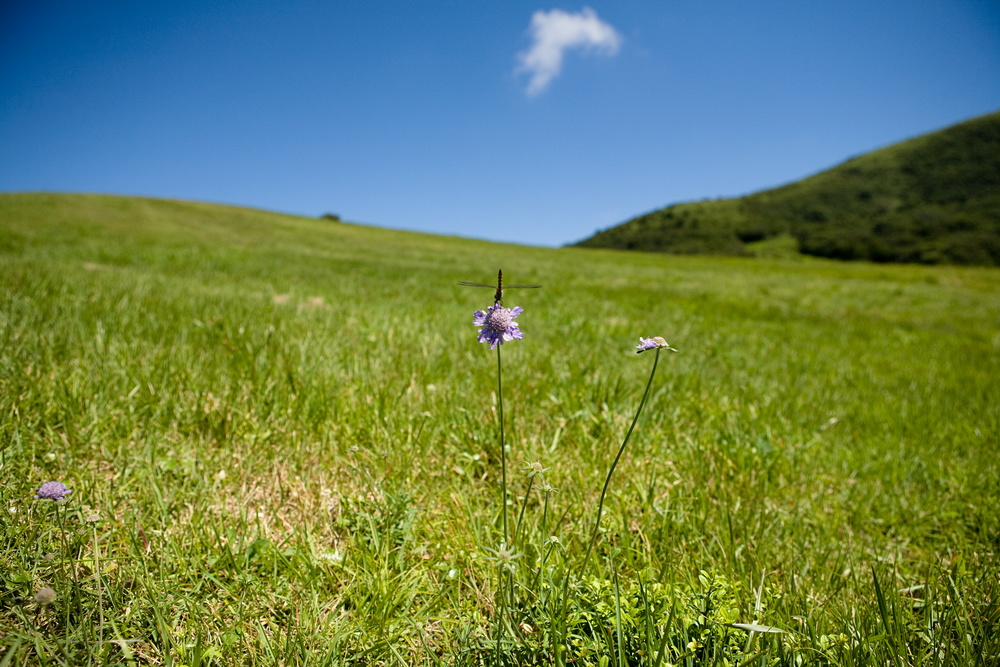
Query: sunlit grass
point(288, 433)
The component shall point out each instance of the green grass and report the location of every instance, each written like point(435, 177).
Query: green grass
point(933, 199)
point(288, 436)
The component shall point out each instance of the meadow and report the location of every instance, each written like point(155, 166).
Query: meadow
point(281, 437)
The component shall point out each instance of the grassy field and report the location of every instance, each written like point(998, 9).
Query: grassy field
point(282, 442)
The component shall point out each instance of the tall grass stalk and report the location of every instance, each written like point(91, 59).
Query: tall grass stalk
point(614, 464)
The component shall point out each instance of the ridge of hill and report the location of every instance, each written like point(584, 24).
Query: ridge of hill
point(933, 199)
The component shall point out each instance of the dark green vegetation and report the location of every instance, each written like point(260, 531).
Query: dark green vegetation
point(281, 438)
point(930, 200)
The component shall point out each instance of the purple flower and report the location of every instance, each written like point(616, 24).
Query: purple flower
point(53, 491)
point(652, 344)
point(498, 325)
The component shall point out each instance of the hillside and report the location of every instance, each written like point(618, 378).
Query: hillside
point(934, 199)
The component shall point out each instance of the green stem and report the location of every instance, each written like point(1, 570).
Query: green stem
point(503, 454)
point(621, 450)
point(545, 514)
point(503, 508)
point(520, 517)
point(560, 623)
point(541, 566)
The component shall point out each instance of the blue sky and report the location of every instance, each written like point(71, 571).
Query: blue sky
point(530, 122)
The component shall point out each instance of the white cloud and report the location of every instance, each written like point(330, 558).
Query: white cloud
point(556, 31)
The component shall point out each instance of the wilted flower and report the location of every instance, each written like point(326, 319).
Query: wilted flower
point(498, 325)
point(652, 344)
point(45, 596)
point(53, 491)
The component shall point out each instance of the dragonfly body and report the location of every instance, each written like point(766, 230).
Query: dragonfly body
point(499, 287)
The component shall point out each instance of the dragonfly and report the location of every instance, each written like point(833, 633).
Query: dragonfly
point(499, 287)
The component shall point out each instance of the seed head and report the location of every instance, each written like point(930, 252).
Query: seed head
point(45, 596)
point(503, 557)
point(535, 468)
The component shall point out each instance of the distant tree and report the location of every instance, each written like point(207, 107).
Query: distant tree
point(332, 217)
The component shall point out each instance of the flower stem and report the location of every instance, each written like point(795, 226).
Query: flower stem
point(503, 510)
point(621, 450)
point(520, 517)
point(503, 454)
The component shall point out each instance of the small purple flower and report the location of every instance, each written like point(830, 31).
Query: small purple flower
point(498, 325)
point(652, 344)
point(53, 491)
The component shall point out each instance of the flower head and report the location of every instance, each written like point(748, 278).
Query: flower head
point(45, 596)
point(535, 468)
point(652, 344)
point(503, 557)
point(498, 325)
point(53, 491)
point(546, 487)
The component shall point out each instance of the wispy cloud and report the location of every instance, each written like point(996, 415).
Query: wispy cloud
point(556, 31)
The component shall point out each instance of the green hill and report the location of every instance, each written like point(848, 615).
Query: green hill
point(934, 199)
